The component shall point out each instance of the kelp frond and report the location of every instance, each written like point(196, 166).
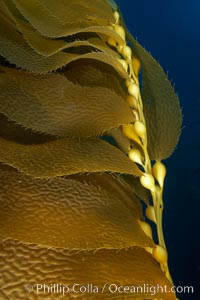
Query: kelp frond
point(78, 137)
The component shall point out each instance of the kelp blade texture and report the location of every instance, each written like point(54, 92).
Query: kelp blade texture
point(52, 104)
point(161, 106)
point(23, 43)
point(45, 213)
point(64, 215)
point(124, 267)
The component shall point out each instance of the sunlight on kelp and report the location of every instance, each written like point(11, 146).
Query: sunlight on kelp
point(77, 145)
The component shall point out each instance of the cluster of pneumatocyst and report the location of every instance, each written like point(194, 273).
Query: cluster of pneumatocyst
point(153, 176)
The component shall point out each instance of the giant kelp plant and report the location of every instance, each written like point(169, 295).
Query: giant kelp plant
point(80, 153)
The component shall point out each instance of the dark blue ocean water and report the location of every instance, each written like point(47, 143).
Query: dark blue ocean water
point(170, 30)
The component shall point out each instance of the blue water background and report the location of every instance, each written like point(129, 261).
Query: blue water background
point(170, 30)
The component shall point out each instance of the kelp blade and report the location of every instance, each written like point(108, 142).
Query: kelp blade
point(15, 49)
point(12, 131)
point(113, 184)
point(79, 10)
point(52, 104)
point(161, 106)
point(67, 213)
point(66, 156)
point(46, 24)
point(130, 267)
point(47, 46)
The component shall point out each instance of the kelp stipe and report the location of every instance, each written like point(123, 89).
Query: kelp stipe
point(70, 201)
point(145, 132)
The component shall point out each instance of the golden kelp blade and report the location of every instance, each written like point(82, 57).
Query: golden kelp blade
point(50, 26)
point(161, 106)
point(67, 213)
point(15, 49)
point(47, 46)
point(66, 156)
point(79, 10)
point(54, 105)
point(95, 74)
point(16, 133)
point(113, 184)
point(35, 264)
point(6, 13)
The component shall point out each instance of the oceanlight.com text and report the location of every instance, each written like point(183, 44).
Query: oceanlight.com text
point(113, 288)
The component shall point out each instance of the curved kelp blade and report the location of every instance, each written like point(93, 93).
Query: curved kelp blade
point(52, 210)
point(132, 267)
point(47, 47)
point(15, 49)
point(95, 74)
point(78, 10)
point(115, 185)
point(6, 13)
point(54, 105)
point(17, 133)
point(66, 156)
point(43, 45)
point(161, 106)
point(49, 26)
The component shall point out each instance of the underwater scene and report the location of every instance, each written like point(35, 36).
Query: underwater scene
point(99, 150)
